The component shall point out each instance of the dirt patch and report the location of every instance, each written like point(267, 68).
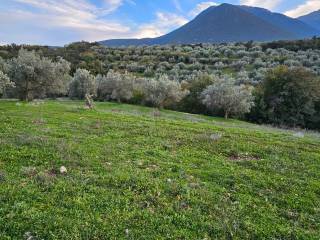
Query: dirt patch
point(214, 137)
point(52, 172)
point(96, 125)
point(156, 113)
point(243, 157)
point(116, 111)
point(28, 171)
point(38, 122)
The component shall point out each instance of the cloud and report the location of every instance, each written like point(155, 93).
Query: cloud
point(269, 4)
point(303, 9)
point(111, 5)
point(201, 7)
point(54, 22)
point(76, 8)
point(79, 19)
point(177, 5)
point(164, 23)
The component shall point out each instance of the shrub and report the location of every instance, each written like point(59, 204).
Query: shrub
point(192, 102)
point(288, 96)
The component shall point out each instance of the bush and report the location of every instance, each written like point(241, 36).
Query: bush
point(288, 96)
point(192, 102)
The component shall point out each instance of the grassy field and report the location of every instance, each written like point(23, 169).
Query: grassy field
point(134, 173)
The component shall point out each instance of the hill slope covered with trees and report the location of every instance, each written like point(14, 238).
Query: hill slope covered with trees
point(177, 77)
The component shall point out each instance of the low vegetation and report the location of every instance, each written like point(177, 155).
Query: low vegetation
point(123, 171)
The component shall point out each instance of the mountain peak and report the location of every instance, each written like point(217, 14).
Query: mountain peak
point(227, 5)
point(230, 23)
point(313, 19)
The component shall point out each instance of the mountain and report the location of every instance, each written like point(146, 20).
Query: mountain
point(299, 28)
point(313, 19)
point(229, 23)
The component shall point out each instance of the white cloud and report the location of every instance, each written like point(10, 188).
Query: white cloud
point(76, 8)
point(177, 5)
point(111, 5)
point(77, 16)
point(269, 4)
point(162, 25)
point(60, 22)
point(303, 9)
point(201, 7)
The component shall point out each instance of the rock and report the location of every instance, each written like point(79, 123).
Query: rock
point(63, 170)
point(298, 134)
point(215, 137)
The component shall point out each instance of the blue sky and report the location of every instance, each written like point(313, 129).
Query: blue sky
point(58, 22)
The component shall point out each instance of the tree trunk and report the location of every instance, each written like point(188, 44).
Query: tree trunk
point(26, 97)
point(226, 115)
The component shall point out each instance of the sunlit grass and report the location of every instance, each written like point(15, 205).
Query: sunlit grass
point(135, 174)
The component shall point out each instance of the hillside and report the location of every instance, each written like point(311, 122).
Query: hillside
point(313, 19)
point(299, 28)
point(229, 23)
point(139, 174)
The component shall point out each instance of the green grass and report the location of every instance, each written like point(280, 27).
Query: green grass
point(135, 175)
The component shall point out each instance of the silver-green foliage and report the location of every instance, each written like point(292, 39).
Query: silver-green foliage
point(83, 82)
point(4, 82)
point(115, 86)
point(225, 95)
point(37, 77)
point(163, 91)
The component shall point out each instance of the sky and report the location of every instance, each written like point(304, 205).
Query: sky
point(59, 22)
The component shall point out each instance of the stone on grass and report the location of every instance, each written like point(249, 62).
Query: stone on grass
point(298, 134)
point(215, 136)
point(63, 170)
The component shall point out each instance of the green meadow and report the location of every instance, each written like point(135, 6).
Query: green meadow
point(139, 173)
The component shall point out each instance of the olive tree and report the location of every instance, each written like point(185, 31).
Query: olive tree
point(4, 82)
point(59, 71)
point(115, 86)
point(83, 82)
point(163, 92)
point(37, 77)
point(225, 95)
point(122, 86)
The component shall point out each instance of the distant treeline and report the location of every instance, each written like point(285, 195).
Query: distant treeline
point(276, 83)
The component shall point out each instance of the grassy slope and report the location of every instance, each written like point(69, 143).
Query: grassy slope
point(158, 177)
